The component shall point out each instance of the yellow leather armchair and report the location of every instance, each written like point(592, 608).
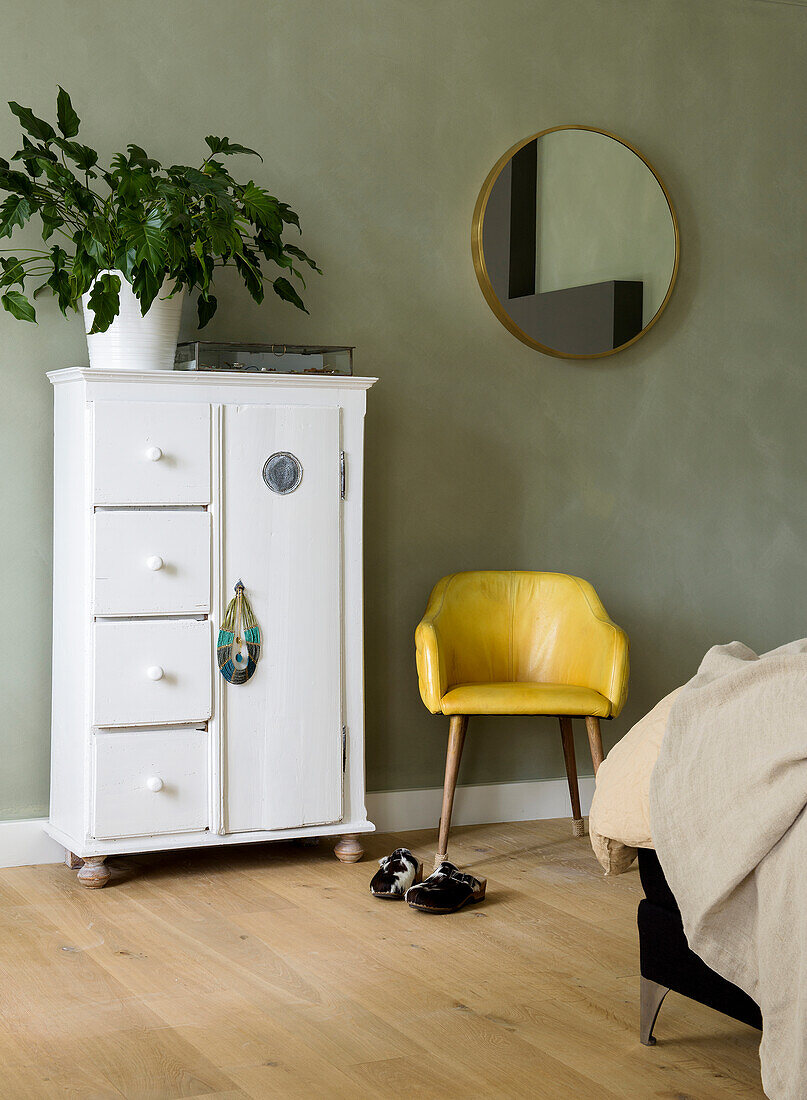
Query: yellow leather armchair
point(519, 643)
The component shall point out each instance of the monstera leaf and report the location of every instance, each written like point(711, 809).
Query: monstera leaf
point(104, 301)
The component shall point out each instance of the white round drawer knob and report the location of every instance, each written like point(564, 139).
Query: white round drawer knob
point(154, 783)
point(155, 562)
point(154, 454)
point(154, 672)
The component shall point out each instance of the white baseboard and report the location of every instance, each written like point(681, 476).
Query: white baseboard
point(25, 842)
point(397, 811)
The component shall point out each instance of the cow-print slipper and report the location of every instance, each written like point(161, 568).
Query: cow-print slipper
point(446, 890)
point(396, 873)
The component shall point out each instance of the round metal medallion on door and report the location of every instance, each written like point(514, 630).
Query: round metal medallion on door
point(282, 472)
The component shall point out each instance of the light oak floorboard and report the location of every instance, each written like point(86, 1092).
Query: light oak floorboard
point(265, 971)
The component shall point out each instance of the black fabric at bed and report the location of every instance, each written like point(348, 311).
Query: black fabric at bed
point(666, 957)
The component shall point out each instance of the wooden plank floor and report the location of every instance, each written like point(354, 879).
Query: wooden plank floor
point(269, 971)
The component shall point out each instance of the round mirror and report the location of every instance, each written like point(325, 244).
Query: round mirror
point(575, 242)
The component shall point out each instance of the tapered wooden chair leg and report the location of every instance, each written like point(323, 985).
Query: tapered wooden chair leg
point(456, 739)
point(651, 994)
point(595, 741)
point(567, 736)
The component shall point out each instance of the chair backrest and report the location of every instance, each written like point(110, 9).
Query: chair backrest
point(521, 626)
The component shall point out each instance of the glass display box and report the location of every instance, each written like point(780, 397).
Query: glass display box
point(206, 355)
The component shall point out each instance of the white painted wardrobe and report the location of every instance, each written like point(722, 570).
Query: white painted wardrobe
point(160, 507)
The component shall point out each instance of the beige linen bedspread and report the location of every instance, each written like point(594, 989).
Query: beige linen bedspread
point(727, 815)
point(619, 820)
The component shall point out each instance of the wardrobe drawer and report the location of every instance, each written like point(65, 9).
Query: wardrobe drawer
point(152, 673)
point(152, 563)
point(152, 781)
point(151, 452)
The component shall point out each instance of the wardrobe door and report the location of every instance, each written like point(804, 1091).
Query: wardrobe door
point(281, 535)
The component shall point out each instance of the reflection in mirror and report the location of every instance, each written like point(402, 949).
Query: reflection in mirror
point(575, 242)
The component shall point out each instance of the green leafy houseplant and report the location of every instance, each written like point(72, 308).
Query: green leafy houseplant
point(154, 225)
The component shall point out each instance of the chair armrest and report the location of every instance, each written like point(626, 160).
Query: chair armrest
point(618, 688)
point(431, 659)
point(608, 649)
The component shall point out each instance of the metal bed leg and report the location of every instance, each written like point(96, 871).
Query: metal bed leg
point(651, 995)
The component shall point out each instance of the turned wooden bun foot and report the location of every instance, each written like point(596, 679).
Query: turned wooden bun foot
point(94, 874)
point(348, 850)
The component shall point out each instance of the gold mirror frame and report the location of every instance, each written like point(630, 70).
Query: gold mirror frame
point(478, 252)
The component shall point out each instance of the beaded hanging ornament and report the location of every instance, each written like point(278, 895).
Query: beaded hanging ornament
point(239, 644)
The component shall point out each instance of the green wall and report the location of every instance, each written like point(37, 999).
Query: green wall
point(673, 476)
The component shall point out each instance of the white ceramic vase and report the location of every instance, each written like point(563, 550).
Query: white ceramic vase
point(132, 341)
